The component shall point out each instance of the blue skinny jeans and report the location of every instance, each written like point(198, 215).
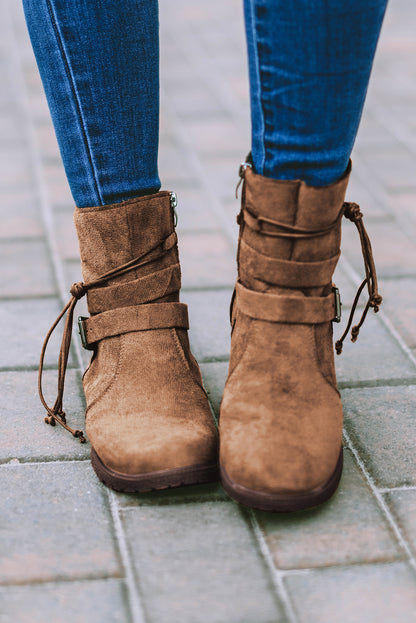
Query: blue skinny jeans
point(309, 67)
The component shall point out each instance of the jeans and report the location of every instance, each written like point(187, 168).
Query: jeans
point(99, 64)
point(309, 66)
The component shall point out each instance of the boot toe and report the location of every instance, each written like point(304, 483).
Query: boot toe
point(135, 450)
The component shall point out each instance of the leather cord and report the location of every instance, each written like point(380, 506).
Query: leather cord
point(56, 414)
point(352, 212)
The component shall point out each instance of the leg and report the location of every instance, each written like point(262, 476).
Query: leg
point(309, 66)
point(281, 414)
point(147, 417)
point(99, 64)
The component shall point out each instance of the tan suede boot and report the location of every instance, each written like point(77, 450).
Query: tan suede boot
point(281, 413)
point(147, 417)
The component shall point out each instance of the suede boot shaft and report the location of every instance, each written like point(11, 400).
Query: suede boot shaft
point(147, 414)
point(281, 414)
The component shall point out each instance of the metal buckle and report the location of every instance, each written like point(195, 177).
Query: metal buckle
point(338, 304)
point(82, 333)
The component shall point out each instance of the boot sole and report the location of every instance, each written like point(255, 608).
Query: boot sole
point(153, 481)
point(282, 502)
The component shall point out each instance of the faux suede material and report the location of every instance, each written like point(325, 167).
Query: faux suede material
point(156, 286)
point(287, 273)
point(146, 406)
point(136, 318)
point(287, 309)
point(123, 231)
point(281, 414)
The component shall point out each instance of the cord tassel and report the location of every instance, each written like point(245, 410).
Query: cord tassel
point(56, 414)
point(353, 213)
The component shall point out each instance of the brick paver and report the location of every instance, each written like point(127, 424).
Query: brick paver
point(70, 550)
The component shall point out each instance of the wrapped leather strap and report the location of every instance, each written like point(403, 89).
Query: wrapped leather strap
point(133, 318)
point(290, 309)
point(287, 273)
point(142, 290)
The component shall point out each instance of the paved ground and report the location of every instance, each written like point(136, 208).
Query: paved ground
point(72, 550)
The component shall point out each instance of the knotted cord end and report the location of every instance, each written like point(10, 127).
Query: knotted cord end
point(338, 347)
point(375, 302)
point(80, 435)
point(78, 290)
point(354, 333)
point(352, 212)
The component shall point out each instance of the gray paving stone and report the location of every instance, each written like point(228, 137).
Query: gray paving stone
point(372, 134)
point(95, 601)
point(65, 233)
point(209, 322)
point(400, 306)
point(193, 100)
point(15, 168)
point(57, 189)
point(393, 167)
point(173, 163)
point(11, 134)
point(216, 138)
point(47, 145)
point(55, 524)
point(382, 426)
point(223, 175)
point(373, 357)
point(404, 204)
point(403, 506)
point(23, 326)
point(365, 594)
point(20, 215)
point(24, 434)
point(360, 193)
point(28, 269)
point(346, 287)
point(349, 529)
point(214, 376)
point(394, 252)
point(207, 260)
point(199, 563)
point(194, 212)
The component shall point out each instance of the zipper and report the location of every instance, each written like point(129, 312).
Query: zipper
point(173, 205)
point(241, 172)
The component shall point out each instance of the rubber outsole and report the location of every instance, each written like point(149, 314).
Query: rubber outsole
point(153, 481)
point(282, 502)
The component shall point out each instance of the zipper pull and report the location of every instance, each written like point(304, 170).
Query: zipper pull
point(241, 172)
point(173, 204)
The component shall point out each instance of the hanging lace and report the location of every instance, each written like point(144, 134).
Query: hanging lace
point(352, 212)
point(56, 414)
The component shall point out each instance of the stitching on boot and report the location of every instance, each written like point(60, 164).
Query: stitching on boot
point(120, 358)
point(246, 342)
point(314, 348)
point(181, 352)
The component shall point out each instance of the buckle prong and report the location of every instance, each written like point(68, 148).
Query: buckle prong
point(337, 297)
point(81, 330)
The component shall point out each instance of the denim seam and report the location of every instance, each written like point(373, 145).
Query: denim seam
point(71, 80)
point(258, 79)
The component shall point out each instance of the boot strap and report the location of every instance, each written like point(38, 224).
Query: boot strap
point(55, 413)
point(288, 309)
point(135, 292)
point(288, 273)
point(133, 318)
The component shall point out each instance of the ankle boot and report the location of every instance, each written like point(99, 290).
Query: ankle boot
point(281, 415)
point(147, 415)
